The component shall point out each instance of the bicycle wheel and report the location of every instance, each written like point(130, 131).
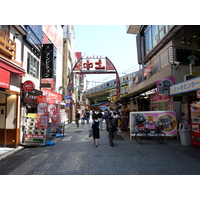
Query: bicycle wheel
point(162, 138)
point(141, 138)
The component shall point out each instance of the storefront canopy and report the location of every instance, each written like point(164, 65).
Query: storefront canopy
point(11, 67)
point(98, 104)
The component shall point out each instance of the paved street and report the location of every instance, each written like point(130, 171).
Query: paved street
point(75, 154)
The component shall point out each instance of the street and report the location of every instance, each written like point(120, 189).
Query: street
point(75, 154)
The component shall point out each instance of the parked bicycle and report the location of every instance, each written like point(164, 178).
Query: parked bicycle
point(145, 134)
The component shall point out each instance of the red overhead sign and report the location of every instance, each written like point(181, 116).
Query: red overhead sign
point(4, 78)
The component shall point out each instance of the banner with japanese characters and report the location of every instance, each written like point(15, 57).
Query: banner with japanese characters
point(42, 108)
point(53, 110)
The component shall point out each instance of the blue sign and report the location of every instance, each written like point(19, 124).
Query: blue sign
point(67, 104)
point(67, 97)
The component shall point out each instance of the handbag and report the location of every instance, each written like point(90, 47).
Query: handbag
point(90, 133)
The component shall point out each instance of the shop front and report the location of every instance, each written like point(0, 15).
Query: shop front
point(10, 86)
point(186, 105)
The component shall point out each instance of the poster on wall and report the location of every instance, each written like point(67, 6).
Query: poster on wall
point(165, 120)
point(163, 85)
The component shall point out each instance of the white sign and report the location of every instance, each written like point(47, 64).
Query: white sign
point(186, 86)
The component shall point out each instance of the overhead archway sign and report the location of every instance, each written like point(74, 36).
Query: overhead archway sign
point(95, 65)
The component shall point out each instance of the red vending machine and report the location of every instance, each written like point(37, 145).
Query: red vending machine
point(195, 122)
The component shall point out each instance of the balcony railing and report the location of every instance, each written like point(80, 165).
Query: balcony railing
point(7, 46)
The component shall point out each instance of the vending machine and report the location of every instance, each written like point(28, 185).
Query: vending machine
point(195, 123)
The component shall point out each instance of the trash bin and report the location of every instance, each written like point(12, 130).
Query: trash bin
point(185, 136)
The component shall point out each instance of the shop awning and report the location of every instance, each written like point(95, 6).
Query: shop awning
point(104, 105)
point(11, 67)
point(98, 104)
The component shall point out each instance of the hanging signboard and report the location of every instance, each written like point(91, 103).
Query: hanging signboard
point(28, 86)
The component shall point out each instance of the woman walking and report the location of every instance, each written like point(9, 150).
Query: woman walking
point(95, 128)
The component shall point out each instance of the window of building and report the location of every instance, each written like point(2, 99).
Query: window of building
point(148, 39)
point(154, 34)
point(32, 66)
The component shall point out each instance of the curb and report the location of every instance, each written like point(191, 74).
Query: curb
point(4, 156)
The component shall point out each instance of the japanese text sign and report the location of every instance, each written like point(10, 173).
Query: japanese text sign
point(186, 86)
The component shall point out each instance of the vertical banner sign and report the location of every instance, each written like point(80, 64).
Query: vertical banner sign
point(42, 108)
point(47, 61)
point(53, 110)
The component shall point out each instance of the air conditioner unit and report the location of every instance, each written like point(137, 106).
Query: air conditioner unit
point(187, 77)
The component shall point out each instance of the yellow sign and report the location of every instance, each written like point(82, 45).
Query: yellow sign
point(32, 115)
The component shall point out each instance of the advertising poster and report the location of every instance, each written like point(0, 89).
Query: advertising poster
point(42, 120)
point(33, 135)
point(163, 85)
point(165, 120)
point(53, 111)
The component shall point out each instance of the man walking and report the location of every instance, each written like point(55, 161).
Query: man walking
point(111, 128)
point(77, 118)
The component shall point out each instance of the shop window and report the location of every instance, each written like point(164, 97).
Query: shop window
point(32, 66)
point(155, 35)
point(148, 40)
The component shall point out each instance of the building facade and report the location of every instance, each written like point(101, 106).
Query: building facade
point(30, 54)
point(169, 58)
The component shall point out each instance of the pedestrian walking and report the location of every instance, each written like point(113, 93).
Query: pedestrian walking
point(77, 118)
point(95, 128)
point(111, 128)
point(94, 114)
point(100, 118)
point(87, 116)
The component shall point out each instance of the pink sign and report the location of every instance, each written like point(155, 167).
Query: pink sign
point(163, 85)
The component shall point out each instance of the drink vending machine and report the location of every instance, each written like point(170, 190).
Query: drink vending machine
point(195, 123)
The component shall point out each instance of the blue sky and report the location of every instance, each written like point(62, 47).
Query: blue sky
point(110, 41)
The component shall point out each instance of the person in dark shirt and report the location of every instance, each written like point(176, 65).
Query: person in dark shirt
point(87, 116)
point(111, 128)
point(95, 128)
point(77, 118)
point(93, 114)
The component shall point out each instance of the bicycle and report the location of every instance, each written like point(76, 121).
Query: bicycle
point(143, 135)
